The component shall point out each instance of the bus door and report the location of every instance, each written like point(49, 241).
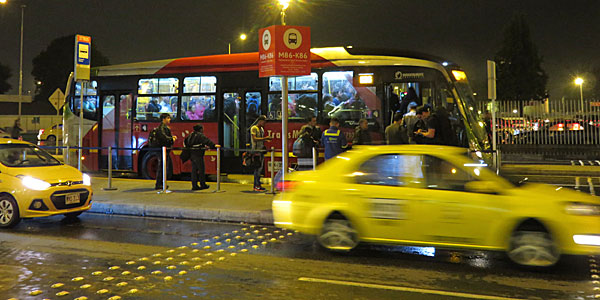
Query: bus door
point(115, 127)
point(240, 110)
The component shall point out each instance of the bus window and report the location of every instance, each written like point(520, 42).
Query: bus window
point(348, 103)
point(158, 86)
point(198, 108)
point(147, 109)
point(253, 104)
point(297, 83)
point(204, 84)
point(302, 97)
point(90, 100)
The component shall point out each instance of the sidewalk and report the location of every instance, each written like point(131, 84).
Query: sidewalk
point(235, 202)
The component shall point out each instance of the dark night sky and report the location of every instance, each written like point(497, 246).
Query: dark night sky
point(567, 33)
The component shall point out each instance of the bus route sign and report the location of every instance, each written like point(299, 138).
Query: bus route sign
point(83, 47)
point(284, 51)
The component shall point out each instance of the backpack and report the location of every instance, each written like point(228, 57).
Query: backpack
point(153, 139)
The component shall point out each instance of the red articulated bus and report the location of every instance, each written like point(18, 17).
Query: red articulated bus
point(225, 94)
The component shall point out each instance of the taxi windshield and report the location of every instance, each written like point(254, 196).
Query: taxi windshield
point(23, 155)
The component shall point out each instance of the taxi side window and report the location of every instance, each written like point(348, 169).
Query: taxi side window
point(391, 170)
point(442, 175)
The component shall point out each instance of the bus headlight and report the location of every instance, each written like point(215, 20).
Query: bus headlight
point(34, 183)
point(87, 180)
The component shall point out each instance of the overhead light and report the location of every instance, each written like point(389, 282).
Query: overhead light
point(365, 78)
point(459, 75)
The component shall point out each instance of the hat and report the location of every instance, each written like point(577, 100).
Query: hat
point(423, 108)
point(412, 105)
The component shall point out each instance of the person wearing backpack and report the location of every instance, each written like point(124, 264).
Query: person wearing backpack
point(162, 138)
point(310, 136)
point(258, 150)
point(198, 142)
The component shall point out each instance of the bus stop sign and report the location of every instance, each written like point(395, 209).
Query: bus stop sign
point(83, 47)
point(284, 51)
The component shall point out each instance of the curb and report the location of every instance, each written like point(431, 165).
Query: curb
point(264, 217)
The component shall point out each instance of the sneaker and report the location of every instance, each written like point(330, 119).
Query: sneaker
point(259, 189)
point(204, 187)
point(196, 188)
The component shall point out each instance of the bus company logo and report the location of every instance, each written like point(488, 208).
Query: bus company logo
point(399, 75)
point(292, 38)
point(266, 40)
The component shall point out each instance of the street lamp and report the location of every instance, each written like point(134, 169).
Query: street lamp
point(579, 82)
point(284, 105)
point(243, 37)
point(20, 56)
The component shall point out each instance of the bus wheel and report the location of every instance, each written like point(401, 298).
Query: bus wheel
point(150, 166)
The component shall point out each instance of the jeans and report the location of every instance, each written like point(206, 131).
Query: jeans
point(258, 170)
point(198, 172)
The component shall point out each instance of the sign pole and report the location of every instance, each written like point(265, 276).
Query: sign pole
point(491, 70)
point(284, 125)
point(80, 124)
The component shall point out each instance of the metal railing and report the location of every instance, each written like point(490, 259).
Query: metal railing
point(66, 150)
point(562, 122)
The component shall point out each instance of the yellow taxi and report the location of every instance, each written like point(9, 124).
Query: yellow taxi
point(35, 184)
point(435, 196)
point(49, 136)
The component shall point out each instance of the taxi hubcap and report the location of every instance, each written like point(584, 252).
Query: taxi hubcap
point(533, 249)
point(338, 235)
point(6, 211)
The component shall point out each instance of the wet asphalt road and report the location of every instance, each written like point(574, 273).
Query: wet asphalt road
point(107, 257)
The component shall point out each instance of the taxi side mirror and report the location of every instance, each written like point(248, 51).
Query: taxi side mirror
point(483, 187)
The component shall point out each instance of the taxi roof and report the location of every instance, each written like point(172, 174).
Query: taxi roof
point(13, 141)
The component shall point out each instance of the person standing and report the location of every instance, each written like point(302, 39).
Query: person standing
point(258, 150)
point(395, 133)
point(198, 142)
point(164, 139)
point(15, 131)
point(361, 133)
point(311, 134)
point(425, 128)
point(333, 140)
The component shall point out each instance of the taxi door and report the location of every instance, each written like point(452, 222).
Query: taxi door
point(456, 216)
point(388, 187)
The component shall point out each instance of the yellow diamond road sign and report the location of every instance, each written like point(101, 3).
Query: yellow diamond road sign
point(57, 99)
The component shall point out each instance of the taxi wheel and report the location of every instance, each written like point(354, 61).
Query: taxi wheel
point(533, 249)
point(338, 235)
point(9, 212)
point(51, 140)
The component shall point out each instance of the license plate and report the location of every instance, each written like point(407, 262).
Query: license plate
point(72, 198)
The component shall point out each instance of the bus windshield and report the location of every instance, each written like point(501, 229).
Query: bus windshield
point(477, 125)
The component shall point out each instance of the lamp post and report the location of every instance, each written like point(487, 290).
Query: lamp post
point(284, 105)
point(579, 82)
point(20, 55)
point(243, 37)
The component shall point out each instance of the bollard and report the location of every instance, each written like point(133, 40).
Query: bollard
point(218, 168)
point(272, 191)
point(164, 171)
point(110, 187)
point(315, 158)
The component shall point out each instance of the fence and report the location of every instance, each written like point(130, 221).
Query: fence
point(558, 122)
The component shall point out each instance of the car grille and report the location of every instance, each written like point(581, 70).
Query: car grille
point(66, 183)
point(58, 198)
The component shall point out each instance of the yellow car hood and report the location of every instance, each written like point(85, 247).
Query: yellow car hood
point(51, 174)
point(560, 193)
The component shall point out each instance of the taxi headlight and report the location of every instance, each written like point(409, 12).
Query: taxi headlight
point(583, 209)
point(34, 183)
point(87, 180)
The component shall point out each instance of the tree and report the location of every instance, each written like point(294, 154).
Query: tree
point(52, 66)
point(4, 76)
point(519, 72)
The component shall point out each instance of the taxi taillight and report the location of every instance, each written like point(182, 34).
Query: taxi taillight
point(286, 185)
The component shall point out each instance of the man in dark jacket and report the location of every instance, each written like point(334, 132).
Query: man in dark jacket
point(198, 142)
point(311, 135)
point(361, 133)
point(165, 139)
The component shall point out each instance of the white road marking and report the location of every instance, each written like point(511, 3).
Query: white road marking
point(591, 184)
point(598, 162)
point(405, 289)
